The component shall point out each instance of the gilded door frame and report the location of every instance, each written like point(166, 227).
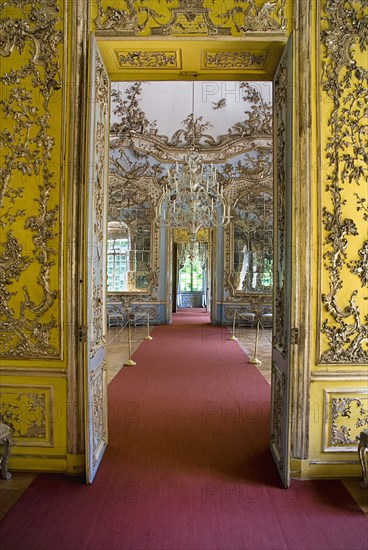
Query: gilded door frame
point(299, 405)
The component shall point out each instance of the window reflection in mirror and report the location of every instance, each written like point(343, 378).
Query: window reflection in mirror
point(253, 249)
point(129, 249)
point(192, 274)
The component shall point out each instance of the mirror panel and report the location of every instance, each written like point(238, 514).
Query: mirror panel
point(129, 248)
point(252, 238)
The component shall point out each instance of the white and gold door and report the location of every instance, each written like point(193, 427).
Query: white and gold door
point(281, 345)
point(95, 379)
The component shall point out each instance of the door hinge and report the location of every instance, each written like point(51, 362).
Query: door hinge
point(82, 334)
point(294, 336)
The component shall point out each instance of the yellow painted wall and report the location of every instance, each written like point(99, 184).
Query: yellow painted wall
point(34, 126)
point(339, 375)
point(34, 110)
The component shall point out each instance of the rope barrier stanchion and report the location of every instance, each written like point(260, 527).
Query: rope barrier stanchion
point(233, 337)
point(148, 337)
point(129, 362)
point(255, 360)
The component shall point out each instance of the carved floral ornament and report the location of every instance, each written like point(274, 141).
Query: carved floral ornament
point(191, 18)
point(278, 399)
point(142, 59)
point(29, 29)
point(29, 413)
point(281, 94)
point(345, 82)
point(347, 414)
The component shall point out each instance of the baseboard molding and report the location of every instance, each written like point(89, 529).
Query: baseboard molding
point(308, 469)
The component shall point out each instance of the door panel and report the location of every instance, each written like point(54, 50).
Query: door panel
point(280, 375)
point(95, 266)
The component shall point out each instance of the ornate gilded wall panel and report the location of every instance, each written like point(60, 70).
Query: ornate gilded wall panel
point(191, 17)
point(345, 416)
point(280, 115)
point(29, 411)
point(278, 411)
point(97, 384)
point(344, 127)
point(231, 60)
point(31, 51)
point(97, 205)
point(148, 59)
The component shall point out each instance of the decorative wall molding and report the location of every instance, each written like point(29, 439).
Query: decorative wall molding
point(97, 383)
point(97, 196)
point(191, 18)
point(148, 59)
point(346, 415)
point(345, 82)
point(281, 94)
point(31, 314)
point(222, 149)
point(230, 60)
point(29, 411)
point(277, 408)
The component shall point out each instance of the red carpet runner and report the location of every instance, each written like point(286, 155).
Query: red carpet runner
point(187, 466)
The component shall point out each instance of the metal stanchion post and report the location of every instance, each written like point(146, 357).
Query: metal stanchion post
point(148, 337)
point(255, 360)
point(233, 337)
point(129, 362)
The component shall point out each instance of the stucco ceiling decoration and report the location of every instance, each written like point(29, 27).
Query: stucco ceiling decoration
point(223, 152)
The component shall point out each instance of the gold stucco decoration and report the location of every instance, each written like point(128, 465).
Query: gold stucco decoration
point(25, 412)
point(281, 82)
point(234, 60)
point(191, 17)
point(29, 29)
point(157, 59)
point(345, 81)
point(277, 407)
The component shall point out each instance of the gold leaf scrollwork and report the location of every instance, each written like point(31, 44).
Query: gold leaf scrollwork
point(345, 82)
point(250, 16)
point(190, 18)
point(147, 59)
point(341, 426)
point(131, 19)
point(25, 413)
point(27, 148)
point(98, 411)
point(278, 399)
point(231, 59)
point(279, 338)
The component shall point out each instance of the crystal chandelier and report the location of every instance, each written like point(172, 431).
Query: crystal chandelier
point(192, 198)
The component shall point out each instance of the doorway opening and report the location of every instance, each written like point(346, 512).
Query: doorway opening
point(222, 279)
point(154, 126)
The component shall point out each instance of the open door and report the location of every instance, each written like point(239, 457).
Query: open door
point(95, 381)
point(281, 354)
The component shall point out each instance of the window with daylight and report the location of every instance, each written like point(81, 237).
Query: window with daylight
point(191, 276)
point(117, 258)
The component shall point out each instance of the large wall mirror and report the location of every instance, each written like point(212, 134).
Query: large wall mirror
point(129, 248)
point(252, 238)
